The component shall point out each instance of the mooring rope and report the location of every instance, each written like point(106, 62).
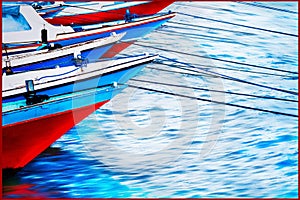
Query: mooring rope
point(225, 68)
point(216, 76)
point(197, 73)
point(211, 90)
point(232, 78)
point(207, 57)
point(211, 101)
point(267, 7)
point(247, 3)
point(241, 25)
point(239, 70)
point(206, 27)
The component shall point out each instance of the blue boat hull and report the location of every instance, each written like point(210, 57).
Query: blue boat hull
point(120, 76)
point(131, 33)
point(63, 61)
point(60, 103)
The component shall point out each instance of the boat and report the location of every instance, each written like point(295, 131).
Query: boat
point(107, 13)
point(52, 56)
point(58, 8)
point(21, 26)
point(52, 8)
point(30, 38)
point(28, 128)
point(72, 78)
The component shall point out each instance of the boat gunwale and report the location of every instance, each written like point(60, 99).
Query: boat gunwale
point(65, 97)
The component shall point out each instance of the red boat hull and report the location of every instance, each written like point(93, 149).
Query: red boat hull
point(105, 16)
point(22, 142)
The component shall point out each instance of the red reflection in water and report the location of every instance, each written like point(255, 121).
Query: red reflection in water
point(117, 48)
point(21, 191)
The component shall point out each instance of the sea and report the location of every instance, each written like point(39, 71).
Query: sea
point(215, 116)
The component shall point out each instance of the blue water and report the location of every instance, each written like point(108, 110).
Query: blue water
point(147, 144)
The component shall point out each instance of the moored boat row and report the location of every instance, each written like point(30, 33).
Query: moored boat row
point(55, 76)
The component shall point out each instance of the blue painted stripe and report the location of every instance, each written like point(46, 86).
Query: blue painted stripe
point(61, 103)
point(64, 61)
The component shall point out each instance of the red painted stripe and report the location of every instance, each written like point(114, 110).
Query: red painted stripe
point(22, 142)
point(113, 28)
